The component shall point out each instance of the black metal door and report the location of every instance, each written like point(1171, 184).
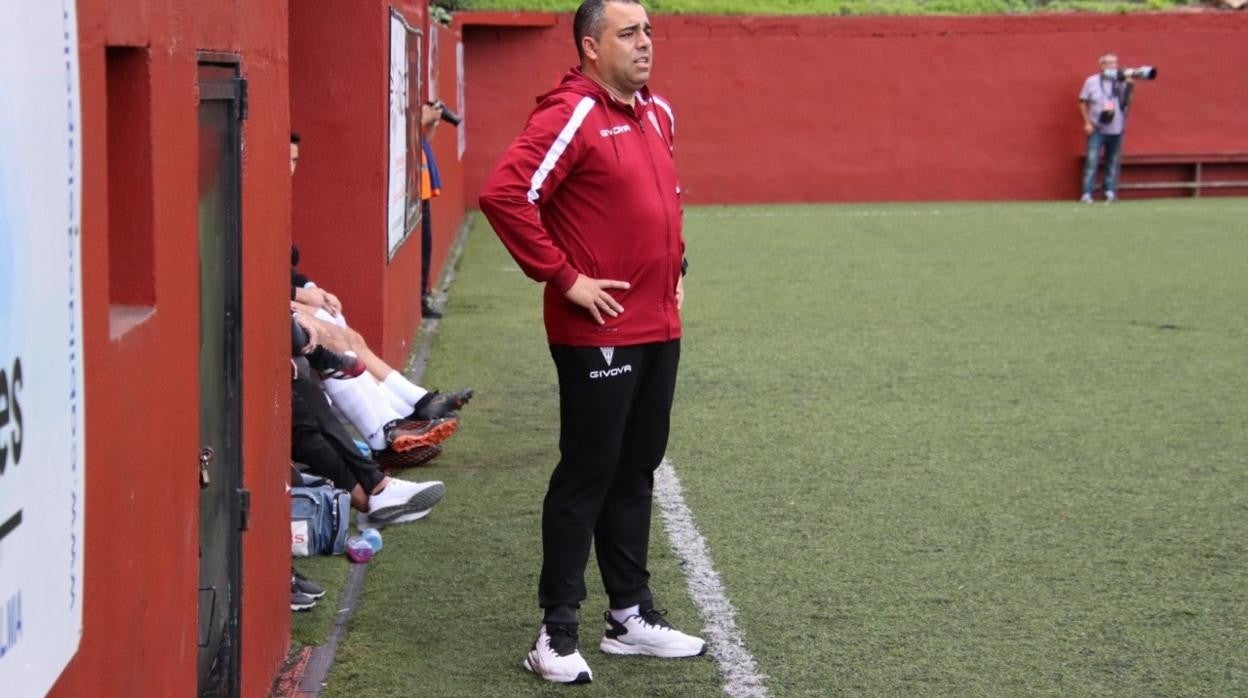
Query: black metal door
point(221, 96)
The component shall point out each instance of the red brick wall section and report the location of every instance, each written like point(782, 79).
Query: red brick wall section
point(896, 109)
point(141, 559)
point(400, 284)
point(340, 66)
point(448, 209)
point(262, 29)
point(338, 106)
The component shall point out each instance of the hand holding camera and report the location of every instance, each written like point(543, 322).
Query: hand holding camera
point(1122, 95)
point(447, 115)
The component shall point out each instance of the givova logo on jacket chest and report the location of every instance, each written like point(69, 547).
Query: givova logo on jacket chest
point(615, 131)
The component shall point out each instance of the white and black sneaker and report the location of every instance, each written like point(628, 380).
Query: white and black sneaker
point(403, 497)
point(648, 633)
point(301, 602)
point(302, 585)
point(556, 657)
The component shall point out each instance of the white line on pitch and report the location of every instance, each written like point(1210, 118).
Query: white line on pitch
point(736, 665)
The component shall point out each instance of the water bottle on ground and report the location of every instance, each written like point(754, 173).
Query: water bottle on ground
point(373, 536)
point(358, 549)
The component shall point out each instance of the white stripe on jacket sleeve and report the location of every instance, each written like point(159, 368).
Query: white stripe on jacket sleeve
point(557, 148)
point(667, 108)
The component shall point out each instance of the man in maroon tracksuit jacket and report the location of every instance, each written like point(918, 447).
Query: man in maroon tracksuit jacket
point(587, 201)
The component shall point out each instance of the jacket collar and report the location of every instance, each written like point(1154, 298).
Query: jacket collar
point(577, 82)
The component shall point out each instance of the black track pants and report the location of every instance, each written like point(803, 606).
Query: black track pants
point(319, 441)
point(614, 414)
point(426, 245)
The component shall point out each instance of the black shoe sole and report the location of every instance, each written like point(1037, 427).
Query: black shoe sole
point(582, 677)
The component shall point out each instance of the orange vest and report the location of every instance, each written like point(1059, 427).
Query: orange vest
point(427, 191)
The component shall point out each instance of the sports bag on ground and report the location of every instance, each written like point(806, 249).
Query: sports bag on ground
point(320, 515)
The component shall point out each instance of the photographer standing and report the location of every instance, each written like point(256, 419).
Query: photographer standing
point(430, 186)
point(1103, 104)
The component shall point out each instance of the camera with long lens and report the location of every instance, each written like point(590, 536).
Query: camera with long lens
point(1144, 72)
point(448, 116)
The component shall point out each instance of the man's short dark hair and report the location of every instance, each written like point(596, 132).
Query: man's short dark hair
point(591, 17)
point(294, 139)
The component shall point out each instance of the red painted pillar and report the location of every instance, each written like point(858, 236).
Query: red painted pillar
point(339, 102)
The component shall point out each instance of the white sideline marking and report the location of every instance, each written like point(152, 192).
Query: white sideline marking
point(741, 676)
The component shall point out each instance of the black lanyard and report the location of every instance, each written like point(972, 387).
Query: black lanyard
point(1111, 93)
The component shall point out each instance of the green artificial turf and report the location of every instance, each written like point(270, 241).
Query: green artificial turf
point(936, 449)
point(312, 627)
point(449, 606)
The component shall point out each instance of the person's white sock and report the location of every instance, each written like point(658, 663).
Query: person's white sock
point(351, 400)
point(364, 404)
point(399, 404)
point(622, 614)
point(404, 389)
point(380, 401)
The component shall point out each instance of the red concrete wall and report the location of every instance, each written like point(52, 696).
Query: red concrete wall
point(339, 73)
point(871, 109)
point(142, 499)
point(448, 209)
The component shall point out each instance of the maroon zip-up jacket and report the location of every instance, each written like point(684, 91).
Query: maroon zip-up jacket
point(590, 187)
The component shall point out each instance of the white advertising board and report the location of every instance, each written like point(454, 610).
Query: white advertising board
point(41, 385)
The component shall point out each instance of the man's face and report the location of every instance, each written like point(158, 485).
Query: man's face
point(294, 157)
point(1109, 63)
point(624, 54)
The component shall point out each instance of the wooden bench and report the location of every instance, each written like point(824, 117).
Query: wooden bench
point(1228, 170)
